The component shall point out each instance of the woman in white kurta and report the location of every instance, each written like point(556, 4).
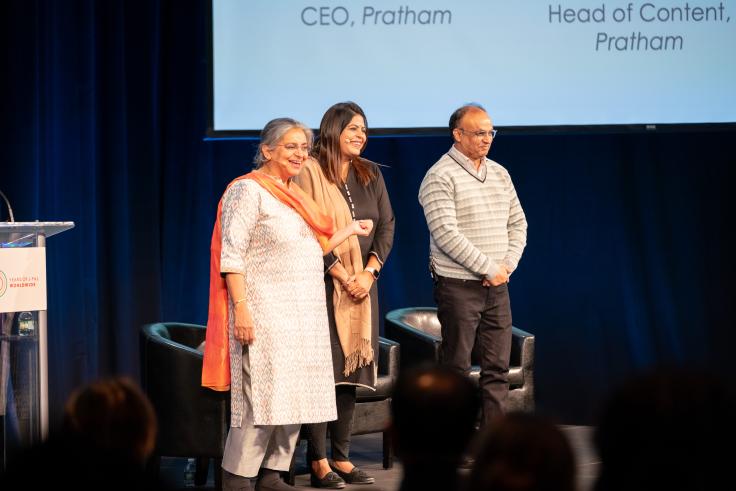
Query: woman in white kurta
point(280, 356)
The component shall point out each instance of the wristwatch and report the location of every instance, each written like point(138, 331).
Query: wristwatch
point(376, 273)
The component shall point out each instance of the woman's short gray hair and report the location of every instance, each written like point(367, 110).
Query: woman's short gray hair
point(274, 131)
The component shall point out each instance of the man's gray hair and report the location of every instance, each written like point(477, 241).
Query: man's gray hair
point(272, 134)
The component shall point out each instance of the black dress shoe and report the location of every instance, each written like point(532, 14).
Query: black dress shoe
point(356, 476)
point(330, 480)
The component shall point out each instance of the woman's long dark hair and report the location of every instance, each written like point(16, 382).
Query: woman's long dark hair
point(327, 149)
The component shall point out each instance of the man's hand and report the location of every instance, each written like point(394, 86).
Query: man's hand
point(499, 279)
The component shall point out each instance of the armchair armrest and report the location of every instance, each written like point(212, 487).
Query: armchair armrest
point(522, 348)
point(388, 357)
point(522, 354)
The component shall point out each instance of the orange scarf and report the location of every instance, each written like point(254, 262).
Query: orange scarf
point(216, 364)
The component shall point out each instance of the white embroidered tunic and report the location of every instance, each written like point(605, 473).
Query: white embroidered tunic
point(290, 359)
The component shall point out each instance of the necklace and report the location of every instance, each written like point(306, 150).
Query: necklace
point(350, 199)
point(347, 189)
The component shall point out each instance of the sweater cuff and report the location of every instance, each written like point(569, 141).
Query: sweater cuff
point(510, 264)
point(493, 270)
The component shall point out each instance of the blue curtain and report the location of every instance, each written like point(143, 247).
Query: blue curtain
point(629, 262)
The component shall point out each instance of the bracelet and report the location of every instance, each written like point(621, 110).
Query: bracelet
point(235, 303)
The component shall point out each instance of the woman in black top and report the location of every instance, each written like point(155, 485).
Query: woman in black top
point(348, 186)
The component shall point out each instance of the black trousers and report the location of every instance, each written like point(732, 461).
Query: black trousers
point(340, 429)
point(471, 314)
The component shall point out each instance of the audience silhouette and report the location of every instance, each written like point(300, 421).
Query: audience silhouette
point(434, 411)
point(108, 433)
point(523, 452)
point(662, 430)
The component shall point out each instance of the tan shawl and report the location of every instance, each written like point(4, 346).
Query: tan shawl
point(353, 317)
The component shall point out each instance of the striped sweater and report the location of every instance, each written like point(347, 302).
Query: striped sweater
point(474, 217)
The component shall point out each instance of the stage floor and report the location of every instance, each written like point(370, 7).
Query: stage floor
point(366, 453)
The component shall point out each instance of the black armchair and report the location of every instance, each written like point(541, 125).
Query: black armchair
point(192, 421)
point(417, 329)
point(373, 409)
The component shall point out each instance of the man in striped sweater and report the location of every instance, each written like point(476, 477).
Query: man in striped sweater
point(477, 234)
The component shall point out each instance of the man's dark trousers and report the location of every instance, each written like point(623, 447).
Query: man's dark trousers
point(468, 313)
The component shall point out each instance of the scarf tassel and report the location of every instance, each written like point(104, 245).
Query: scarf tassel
point(360, 357)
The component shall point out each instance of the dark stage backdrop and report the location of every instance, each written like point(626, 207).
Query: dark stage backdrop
point(629, 264)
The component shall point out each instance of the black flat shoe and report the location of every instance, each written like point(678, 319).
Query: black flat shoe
point(356, 476)
point(330, 481)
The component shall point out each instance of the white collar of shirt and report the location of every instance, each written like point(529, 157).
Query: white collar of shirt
point(468, 164)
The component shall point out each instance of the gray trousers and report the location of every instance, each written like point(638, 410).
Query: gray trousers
point(251, 447)
point(472, 315)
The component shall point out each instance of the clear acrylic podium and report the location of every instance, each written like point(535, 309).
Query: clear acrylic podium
point(24, 384)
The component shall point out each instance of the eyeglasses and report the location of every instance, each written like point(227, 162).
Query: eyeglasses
point(481, 134)
point(293, 147)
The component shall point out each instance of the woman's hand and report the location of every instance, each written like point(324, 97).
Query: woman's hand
point(357, 227)
point(352, 288)
point(243, 330)
point(363, 227)
point(362, 284)
point(345, 282)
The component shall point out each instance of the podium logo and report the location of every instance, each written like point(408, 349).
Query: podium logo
point(3, 283)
